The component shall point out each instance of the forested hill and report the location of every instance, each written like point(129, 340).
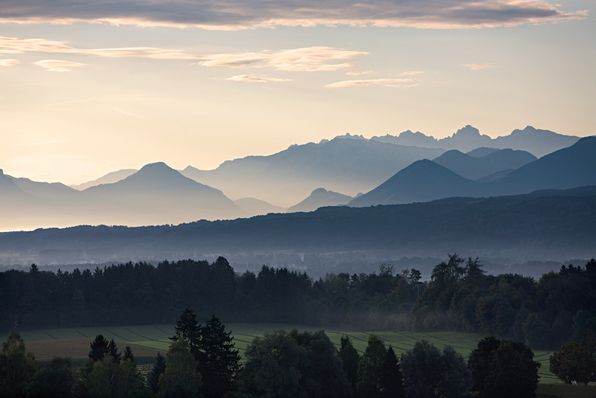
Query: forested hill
point(543, 225)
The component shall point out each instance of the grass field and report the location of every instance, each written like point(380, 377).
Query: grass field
point(147, 340)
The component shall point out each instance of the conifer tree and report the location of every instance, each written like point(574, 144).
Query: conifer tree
point(391, 377)
point(350, 359)
point(219, 360)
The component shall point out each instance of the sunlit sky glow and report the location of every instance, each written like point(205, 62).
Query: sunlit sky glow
point(88, 89)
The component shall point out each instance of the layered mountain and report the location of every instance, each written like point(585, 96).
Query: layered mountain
point(427, 180)
point(536, 141)
point(483, 162)
point(547, 225)
point(321, 197)
point(109, 178)
point(344, 164)
point(567, 168)
point(422, 181)
point(156, 194)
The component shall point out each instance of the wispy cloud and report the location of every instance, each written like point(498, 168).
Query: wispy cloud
point(58, 65)
point(477, 67)
point(243, 14)
point(359, 72)
point(8, 62)
point(17, 45)
point(381, 82)
point(306, 59)
point(404, 79)
point(256, 79)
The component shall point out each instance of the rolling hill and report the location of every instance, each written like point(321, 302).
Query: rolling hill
point(321, 197)
point(540, 226)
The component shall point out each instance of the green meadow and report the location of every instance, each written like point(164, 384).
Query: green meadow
point(147, 340)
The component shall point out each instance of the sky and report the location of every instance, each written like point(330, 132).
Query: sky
point(92, 86)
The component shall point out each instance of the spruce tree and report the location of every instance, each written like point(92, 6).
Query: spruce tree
point(188, 329)
point(219, 361)
point(349, 358)
point(99, 348)
point(159, 367)
point(391, 377)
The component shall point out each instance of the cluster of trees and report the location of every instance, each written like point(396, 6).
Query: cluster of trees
point(543, 313)
point(202, 361)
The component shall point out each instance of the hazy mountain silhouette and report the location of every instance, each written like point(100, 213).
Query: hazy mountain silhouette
point(422, 181)
point(567, 168)
point(426, 180)
point(546, 225)
point(536, 141)
point(344, 164)
point(109, 178)
point(158, 194)
point(481, 165)
point(253, 207)
point(321, 197)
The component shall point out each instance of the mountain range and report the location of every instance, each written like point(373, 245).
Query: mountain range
point(427, 180)
point(387, 172)
point(536, 141)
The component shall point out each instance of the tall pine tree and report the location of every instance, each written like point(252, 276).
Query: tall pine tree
point(349, 358)
point(219, 361)
point(159, 367)
point(188, 329)
point(391, 377)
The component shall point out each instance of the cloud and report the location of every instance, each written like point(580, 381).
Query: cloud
point(404, 79)
point(359, 73)
point(58, 65)
point(256, 79)
point(8, 62)
point(381, 82)
point(243, 14)
point(16, 45)
point(306, 59)
point(477, 67)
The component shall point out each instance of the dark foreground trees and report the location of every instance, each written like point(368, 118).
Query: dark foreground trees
point(294, 364)
point(503, 368)
point(430, 373)
point(576, 361)
point(278, 365)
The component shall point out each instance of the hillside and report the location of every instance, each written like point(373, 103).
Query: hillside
point(541, 226)
point(321, 197)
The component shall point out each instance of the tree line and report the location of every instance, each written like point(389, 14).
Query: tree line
point(542, 313)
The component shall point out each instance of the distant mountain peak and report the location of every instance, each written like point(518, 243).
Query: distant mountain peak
point(467, 130)
point(156, 166)
point(319, 191)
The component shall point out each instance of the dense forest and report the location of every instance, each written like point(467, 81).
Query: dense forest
point(459, 296)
